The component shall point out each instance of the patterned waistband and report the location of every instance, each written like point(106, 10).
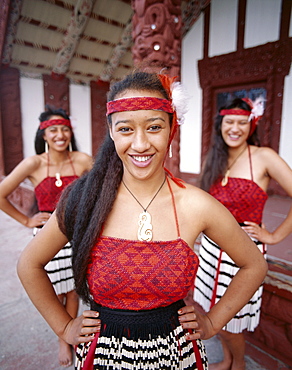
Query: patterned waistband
point(138, 324)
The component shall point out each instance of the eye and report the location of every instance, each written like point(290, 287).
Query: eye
point(154, 128)
point(124, 129)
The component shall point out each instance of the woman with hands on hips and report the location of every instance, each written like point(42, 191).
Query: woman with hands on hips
point(133, 226)
point(56, 164)
point(237, 173)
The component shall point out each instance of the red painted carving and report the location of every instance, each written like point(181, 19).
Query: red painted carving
point(56, 92)
point(157, 44)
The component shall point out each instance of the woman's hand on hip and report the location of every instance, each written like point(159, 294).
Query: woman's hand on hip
point(198, 325)
point(83, 328)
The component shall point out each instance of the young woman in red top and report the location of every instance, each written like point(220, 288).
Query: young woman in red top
point(133, 227)
point(237, 173)
point(56, 164)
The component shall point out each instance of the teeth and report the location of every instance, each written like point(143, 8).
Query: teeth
point(141, 159)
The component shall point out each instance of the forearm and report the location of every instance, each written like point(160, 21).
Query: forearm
point(238, 293)
point(283, 230)
point(42, 294)
point(11, 211)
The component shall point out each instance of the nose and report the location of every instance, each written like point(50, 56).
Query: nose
point(140, 141)
point(60, 133)
point(235, 127)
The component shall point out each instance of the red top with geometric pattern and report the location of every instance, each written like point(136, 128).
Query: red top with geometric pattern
point(242, 197)
point(141, 275)
point(47, 193)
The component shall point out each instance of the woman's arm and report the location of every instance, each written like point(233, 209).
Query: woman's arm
point(277, 169)
point(42, 248)
point(223, 229)
point(10, 183)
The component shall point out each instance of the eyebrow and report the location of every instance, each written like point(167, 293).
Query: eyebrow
point(151, 119)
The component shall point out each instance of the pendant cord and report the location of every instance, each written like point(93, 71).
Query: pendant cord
point(224, 180)
point(145, 209)
point(236, 158)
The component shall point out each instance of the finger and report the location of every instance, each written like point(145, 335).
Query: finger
point(91, 322)
point(186, 309)
point(187, 317)
point(90, 330)
point(193, 335)
point(90, 313)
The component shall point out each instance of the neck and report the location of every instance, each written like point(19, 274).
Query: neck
point(234, 152)
point(58, 157)
point(144, 187)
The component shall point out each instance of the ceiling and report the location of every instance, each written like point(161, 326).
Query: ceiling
point(82, 39)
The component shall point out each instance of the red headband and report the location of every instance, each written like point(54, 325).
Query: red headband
point(139, 103)
point(54, 122)
point(237, 112)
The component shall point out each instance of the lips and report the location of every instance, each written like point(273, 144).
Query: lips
point(141, 160)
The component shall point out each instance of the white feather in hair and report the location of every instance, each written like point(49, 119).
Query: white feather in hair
point(180, 100)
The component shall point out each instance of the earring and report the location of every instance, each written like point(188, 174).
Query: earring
point(170, 151)
point(70, 147)
point(46, 147)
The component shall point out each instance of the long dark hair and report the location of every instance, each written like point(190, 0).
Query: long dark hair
point(217, 158)
point(39, 142)
point(85, 205)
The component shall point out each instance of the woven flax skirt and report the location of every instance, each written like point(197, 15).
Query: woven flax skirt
point(141, 340)
point(59, 269)
point(216, 265)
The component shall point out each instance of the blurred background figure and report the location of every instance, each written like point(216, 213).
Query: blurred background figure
point(56, 164)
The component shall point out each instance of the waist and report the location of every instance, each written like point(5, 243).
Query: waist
point(141, 317)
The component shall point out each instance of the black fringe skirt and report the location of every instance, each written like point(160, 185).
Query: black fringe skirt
point(141, 340)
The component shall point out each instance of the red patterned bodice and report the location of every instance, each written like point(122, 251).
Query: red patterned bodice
point(135, 275)
point(242, 197)
point(47, 193)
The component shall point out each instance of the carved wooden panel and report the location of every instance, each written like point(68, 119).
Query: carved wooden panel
point(56, 91)
point(157, 45)
point(10, 118)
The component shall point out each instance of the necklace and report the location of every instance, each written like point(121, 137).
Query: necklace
point(144, 222)
point(58, 181)
point(224, 181)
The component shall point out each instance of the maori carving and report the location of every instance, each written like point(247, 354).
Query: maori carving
point(77, 24)
point(14, 12)
point(157, 44)
point(157, 34)
point(56, 92)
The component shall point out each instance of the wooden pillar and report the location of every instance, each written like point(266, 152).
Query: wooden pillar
point(99, 91)
point(10, 118)
point(157, 44)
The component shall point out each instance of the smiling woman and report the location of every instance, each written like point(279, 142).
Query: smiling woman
point(50, 171)
point(237, 173)
point(133, 227)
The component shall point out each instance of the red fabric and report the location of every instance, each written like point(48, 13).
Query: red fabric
point(242, 197)
point(53, 122)
point(48, 194)
point(139, 103)
point(135, 275)
point(237, 112)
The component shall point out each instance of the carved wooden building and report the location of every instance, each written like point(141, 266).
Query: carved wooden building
point(66, 53)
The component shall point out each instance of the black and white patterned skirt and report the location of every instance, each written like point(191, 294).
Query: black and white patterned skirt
point(215, 272)
point(59, 269)
point(141, 340)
